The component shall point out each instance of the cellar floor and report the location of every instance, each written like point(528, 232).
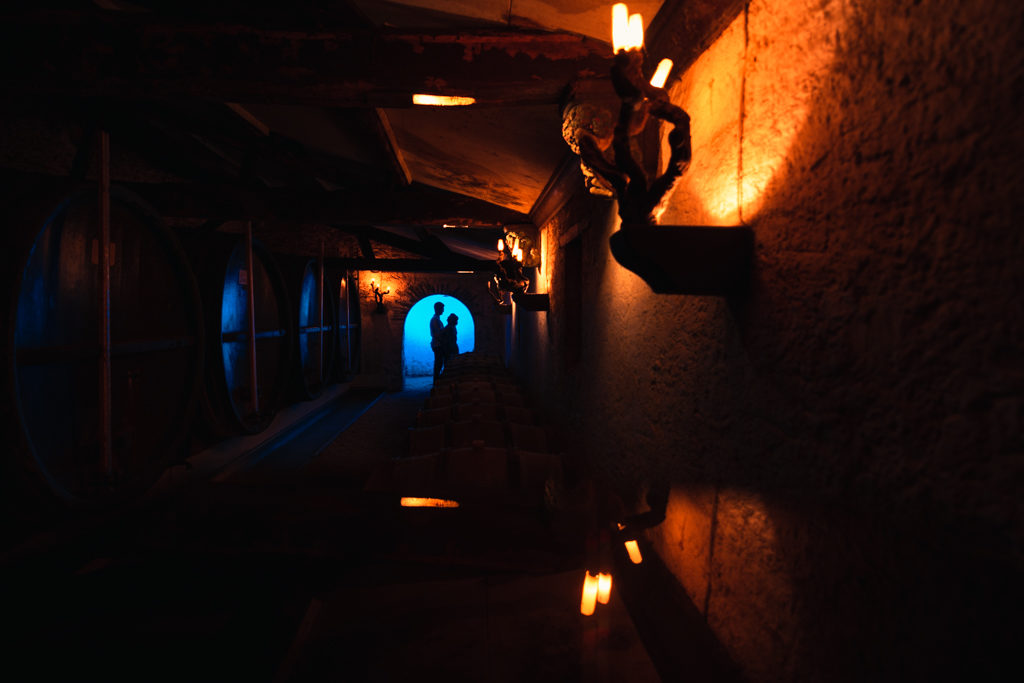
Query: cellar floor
point(290, 567)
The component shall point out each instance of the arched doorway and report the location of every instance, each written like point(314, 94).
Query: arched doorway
point(417, 358)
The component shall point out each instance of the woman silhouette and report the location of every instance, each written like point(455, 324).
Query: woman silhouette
point(450, 338)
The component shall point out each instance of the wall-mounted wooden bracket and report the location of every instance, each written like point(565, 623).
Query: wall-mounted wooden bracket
point(687, 259)
point(532, 302)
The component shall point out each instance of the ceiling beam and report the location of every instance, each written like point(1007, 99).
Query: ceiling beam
point(414, 205)
point(365, 246)
point(137, 55)
point(392, 152)
point(433, 265)
point(389, 238)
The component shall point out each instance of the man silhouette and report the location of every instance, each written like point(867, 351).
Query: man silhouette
point(437, 339)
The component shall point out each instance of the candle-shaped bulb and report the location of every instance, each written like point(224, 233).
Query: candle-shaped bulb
point(604, 588)
point(501, 244)
point(589, 600)
point(620, 27)
point(635, 41)
point(633, 548)
point(661, 73)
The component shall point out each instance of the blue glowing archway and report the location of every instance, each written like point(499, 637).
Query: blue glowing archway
point(417, 358)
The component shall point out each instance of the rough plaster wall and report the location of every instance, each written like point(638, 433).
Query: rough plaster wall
point(382, 333)
point(845, 443)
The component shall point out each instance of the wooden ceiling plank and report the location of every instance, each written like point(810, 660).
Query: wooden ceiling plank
point(136, 55)
point(415, 205)
point(435, 265)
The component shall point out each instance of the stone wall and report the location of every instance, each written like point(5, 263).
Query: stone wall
point(844, 443)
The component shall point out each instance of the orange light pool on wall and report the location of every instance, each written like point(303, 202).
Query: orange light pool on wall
point(410, 502)
point(778, 88)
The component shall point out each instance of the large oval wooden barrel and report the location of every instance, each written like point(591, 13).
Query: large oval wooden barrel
point(315, 309)
point(238, 360)
point(62, 359)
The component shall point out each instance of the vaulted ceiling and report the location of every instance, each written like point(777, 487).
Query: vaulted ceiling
point(303, 109)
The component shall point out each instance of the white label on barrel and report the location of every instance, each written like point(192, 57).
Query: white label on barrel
point(243, 277)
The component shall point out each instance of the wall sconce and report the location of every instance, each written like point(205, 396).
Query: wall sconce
point(671, 259)
point(515, 252)
point(379, 294)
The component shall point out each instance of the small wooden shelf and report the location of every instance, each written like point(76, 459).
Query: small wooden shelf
point(687, 259)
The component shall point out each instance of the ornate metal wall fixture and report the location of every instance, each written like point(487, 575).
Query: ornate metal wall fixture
point(676, 259)
point(516, 251)
point(378, 295)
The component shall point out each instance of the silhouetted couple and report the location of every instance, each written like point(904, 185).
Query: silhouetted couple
point(443, 339)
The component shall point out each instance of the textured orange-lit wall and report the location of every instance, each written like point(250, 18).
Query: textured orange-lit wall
point(382, 333)
point(846, 443)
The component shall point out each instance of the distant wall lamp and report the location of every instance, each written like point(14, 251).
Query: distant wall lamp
point(671, 259)
point(378, 295)
point(516, 251)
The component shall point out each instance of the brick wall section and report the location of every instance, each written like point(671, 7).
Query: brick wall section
point(846, 443)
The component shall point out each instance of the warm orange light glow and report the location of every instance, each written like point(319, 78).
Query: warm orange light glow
point(635, 41)
point(634, 552)
point(543, 277)
point(749, 106)
point(442, 100)
point(604, 588)
point(589, 601)
point(620, 26)
point(501, 244)
point(408, 502)
point(661, 73)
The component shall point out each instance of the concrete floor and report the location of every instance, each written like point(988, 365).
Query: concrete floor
point(288, 568)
